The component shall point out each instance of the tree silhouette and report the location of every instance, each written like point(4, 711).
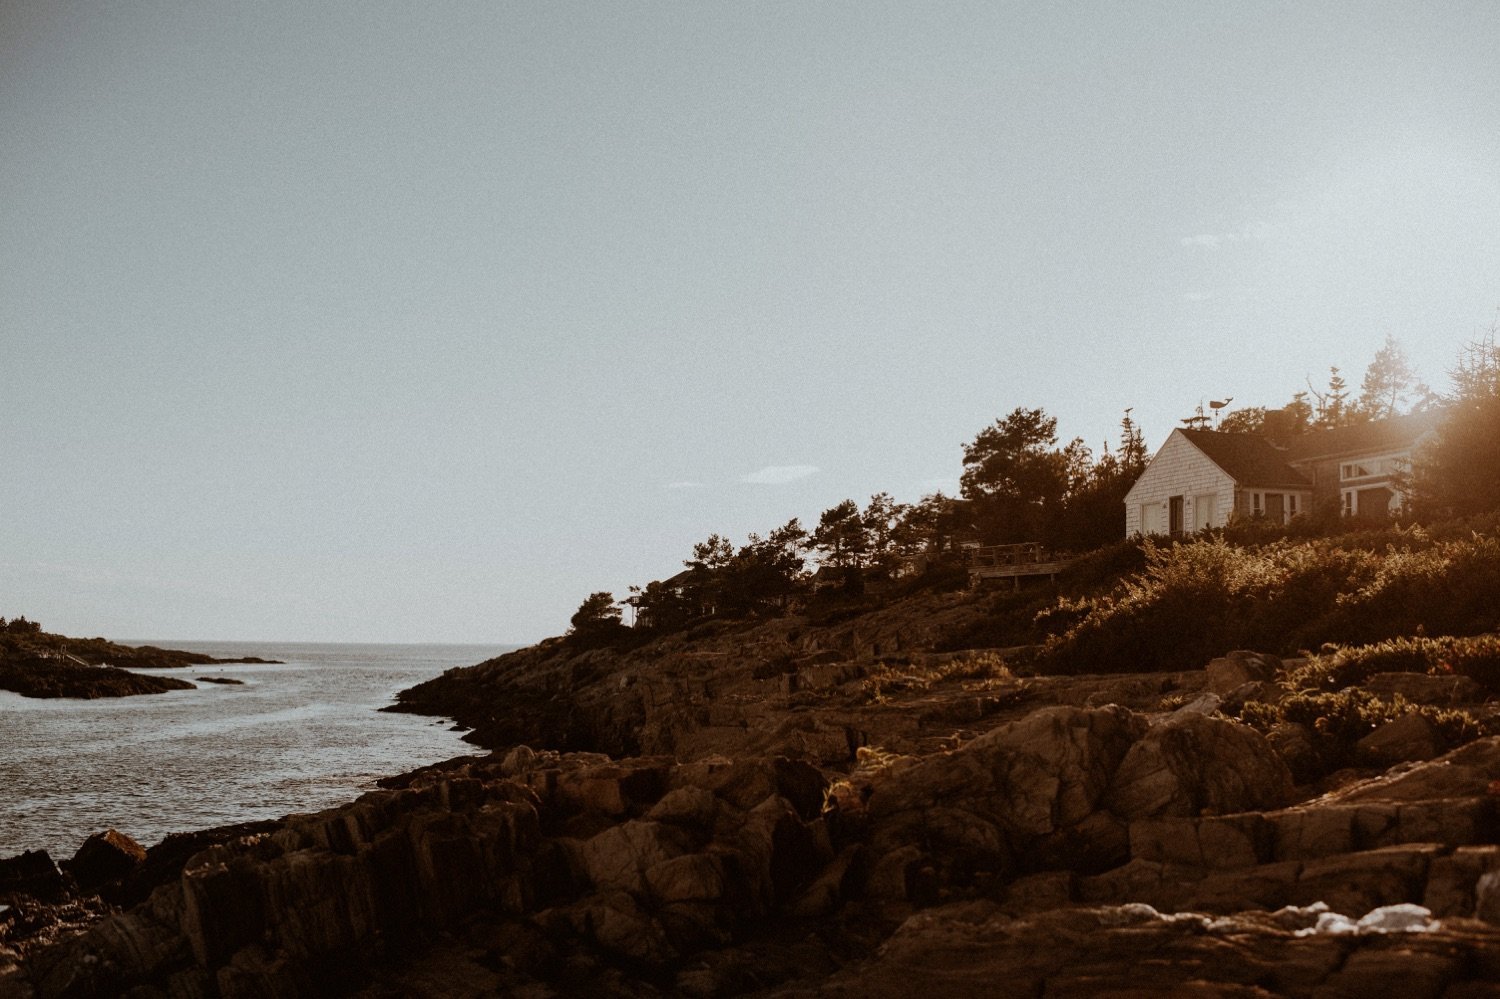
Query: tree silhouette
point(1389, 382)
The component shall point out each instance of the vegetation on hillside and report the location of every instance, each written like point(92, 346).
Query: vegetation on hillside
point(1136, 603)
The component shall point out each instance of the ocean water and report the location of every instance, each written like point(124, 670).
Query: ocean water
point(294, 738)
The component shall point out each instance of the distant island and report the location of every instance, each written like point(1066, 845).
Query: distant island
point(36, 663)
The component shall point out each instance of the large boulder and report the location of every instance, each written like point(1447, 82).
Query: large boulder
point(104, 857)
point(1192, 764)
point(1030, 778)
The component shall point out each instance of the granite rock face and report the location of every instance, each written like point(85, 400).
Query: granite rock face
point(919, 827)
point(1001, 864)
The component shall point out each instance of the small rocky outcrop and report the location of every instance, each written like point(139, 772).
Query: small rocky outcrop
point(34, 676)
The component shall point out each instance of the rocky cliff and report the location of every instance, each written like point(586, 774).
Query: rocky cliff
point(779, 809)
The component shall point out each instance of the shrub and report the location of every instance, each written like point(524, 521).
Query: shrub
point(1195, 600)
point(1445, 588)
point(1477, 657)
point(1341, 718)
point(1338, 668)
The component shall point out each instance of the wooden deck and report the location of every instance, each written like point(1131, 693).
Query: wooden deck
point(1012, 562)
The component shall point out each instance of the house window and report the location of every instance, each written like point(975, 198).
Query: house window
point(1255, 507)
point(1204, 510)
point(1291, 505)
point(1348, 502)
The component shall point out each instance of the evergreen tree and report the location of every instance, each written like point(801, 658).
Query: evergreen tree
point(1389, 382)
point(841, 536)
point(597, 619)
point(1015, 477)
point(1459, 473)
point(1333, 405)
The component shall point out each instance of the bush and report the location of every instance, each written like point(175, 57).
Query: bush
point(1445, 588)
point(1477, 657)
point(1198, 599)
point(1338, 668)
point(1340, 719)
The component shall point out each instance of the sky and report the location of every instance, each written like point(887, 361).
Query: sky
point(420, 322)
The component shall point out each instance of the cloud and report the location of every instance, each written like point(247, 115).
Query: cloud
point(1209, 241)
point(775, 475)
point(1197, 296)
point(686, 484)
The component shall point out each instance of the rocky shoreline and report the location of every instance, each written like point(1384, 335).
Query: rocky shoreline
point(34, 663)
point(867, 828)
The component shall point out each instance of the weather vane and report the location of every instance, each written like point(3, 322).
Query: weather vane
point(1216, 405)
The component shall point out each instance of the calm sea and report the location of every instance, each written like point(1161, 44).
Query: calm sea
point(294, 738)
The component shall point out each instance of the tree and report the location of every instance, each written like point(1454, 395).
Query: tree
point(767, 571)
point(660, 607)
point(1333, 405)
point(707, 572)
point(1476, 376)
point(930, 524)
point(1016, 478)
point(1459, 473)
point(882, 520)
point(841, 536)
point(1133, 455)
point(1389, 383)
point(1250, 420)
point(596, 619)
point(1095, 509)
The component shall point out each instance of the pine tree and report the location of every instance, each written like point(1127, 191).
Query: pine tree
point(1389, 382)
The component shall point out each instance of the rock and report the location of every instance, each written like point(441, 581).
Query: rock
point(694, 877)
point(1255, 690)
point(104, 857)
point(33, 874)
point(1419, 688)
point(1298, 749)
point(686, 806)
point(612, 789)
point(1205, 703)
point(619, 857)
point(1408, 738)
point(1192, 764)
point(829, 888)
point(1239, 668)
point(518, 760)
point(616, 922)
point(1030, 777)
point(1487, 898)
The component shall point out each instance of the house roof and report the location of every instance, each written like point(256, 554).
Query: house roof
point(1394, 434)
point(1249, 459)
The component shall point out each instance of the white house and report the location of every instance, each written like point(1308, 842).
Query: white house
point(1200, 478)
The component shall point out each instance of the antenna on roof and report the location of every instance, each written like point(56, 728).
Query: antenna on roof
point(1216, 405)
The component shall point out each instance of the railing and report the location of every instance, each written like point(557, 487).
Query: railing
point(1029, 558)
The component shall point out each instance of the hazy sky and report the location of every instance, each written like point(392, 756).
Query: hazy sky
point(419, 322)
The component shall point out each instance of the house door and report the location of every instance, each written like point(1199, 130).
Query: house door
point(1276, 508)
point(1174, 515)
